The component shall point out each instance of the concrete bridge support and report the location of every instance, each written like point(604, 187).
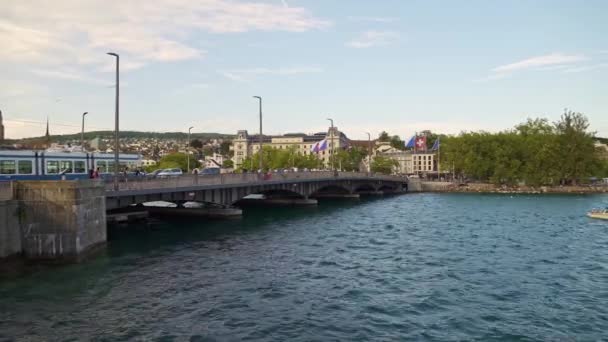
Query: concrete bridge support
point(61, 220)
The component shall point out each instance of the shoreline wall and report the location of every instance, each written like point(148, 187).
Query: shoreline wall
point(492, 188)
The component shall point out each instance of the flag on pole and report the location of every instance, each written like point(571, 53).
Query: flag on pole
point(411, 143)
point(421, 143)
point(435, 145)
point(319, 146)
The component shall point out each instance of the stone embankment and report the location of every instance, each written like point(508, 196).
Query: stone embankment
point(492, 188)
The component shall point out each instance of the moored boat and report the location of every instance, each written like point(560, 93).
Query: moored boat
point(601, 214)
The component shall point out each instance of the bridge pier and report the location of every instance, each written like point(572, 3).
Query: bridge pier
point(61, 220)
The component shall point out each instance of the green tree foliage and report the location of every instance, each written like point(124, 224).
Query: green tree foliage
point(228, 164)
point(384, 137)
point(176, 160)
point(535, 152)
point(196, 143)
point(225, 148)
point(384, 165)
point(397, 143)
point(280, 159)
point(350, 159)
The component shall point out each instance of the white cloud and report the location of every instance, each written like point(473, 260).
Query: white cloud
point(244, 75)
point(553, 59)
point(586, 68)
point(373, 38)
point(551, 62)
point(79, 33)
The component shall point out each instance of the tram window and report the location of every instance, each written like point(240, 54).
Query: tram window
point(52, 166)
point(25, 167)
point(65, 165)
point(101, 164)
point(7, 167)
point(110, 166)
point(79, 167)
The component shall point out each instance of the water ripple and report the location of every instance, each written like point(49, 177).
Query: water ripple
point(416, 267)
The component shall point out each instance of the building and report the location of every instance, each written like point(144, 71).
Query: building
point(213, 161)
point(148, 162)
point(245, 145)
point(413, 162)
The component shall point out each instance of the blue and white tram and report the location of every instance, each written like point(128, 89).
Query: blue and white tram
point(45, 165)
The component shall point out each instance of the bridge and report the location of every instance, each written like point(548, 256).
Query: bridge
point(227, 189)
point(67, 219)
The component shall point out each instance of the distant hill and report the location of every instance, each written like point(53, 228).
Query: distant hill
point(132, 135)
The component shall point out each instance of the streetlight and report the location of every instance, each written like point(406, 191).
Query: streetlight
point(260, 152)
point(369, 152)
point(331, 144)
point(188, 149)
point(82, 132)
point(116, 146)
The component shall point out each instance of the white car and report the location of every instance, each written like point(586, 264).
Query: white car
point(170, 173)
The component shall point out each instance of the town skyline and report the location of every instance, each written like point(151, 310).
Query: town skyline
point(408, 66)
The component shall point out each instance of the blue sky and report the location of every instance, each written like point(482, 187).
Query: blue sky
point(401, 66)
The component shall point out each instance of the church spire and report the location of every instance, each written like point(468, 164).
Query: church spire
point(47, 135)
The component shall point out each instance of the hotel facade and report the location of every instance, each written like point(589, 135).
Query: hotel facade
point(245, 145)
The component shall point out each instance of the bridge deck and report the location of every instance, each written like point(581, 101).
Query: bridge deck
point(185, 182)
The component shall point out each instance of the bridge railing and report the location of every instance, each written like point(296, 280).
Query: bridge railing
point(144, 183)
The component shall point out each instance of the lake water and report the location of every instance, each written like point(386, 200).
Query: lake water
point(433, 267)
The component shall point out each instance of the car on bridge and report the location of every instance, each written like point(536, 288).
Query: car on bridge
point(170, 173)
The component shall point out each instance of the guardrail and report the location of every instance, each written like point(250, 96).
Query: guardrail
point(145, 183)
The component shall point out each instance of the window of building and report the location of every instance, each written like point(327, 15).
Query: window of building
point(79, 167)
point(65, 165)
point(25, 167)
point(7, 167)
point(52, 166)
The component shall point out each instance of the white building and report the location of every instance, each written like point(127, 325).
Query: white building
point(245, 145)
point(148, 162)
point(213, 161)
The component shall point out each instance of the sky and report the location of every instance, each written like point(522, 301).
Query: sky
point(395, 65)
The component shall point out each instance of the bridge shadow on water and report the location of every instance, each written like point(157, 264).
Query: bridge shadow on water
point(163, 234)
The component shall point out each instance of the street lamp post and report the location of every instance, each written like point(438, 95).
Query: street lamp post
point(331, 144)
point(116, 115)
point(188, 149)
point(82, 132)
point(369, 152)
point(261, 140)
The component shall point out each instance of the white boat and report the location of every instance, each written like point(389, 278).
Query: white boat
point(601, 214)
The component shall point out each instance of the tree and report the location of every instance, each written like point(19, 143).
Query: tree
point(534, 152)
point(196, 144)
point(384, 137)
point(225, 149)
point(578, 155)
point(350, 159)
point(177, 160)
point(397, 143)
point(384, 165)
point(228, 164)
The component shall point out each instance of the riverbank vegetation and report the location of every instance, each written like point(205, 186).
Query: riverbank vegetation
point(535, 152)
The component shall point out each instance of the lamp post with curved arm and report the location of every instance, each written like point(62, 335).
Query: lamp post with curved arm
point(116, 116)
point(82, 132)
point(331, 144)
point(261, 139)
point(188, 148)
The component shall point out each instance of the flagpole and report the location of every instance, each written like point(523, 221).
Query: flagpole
point(439, 157)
